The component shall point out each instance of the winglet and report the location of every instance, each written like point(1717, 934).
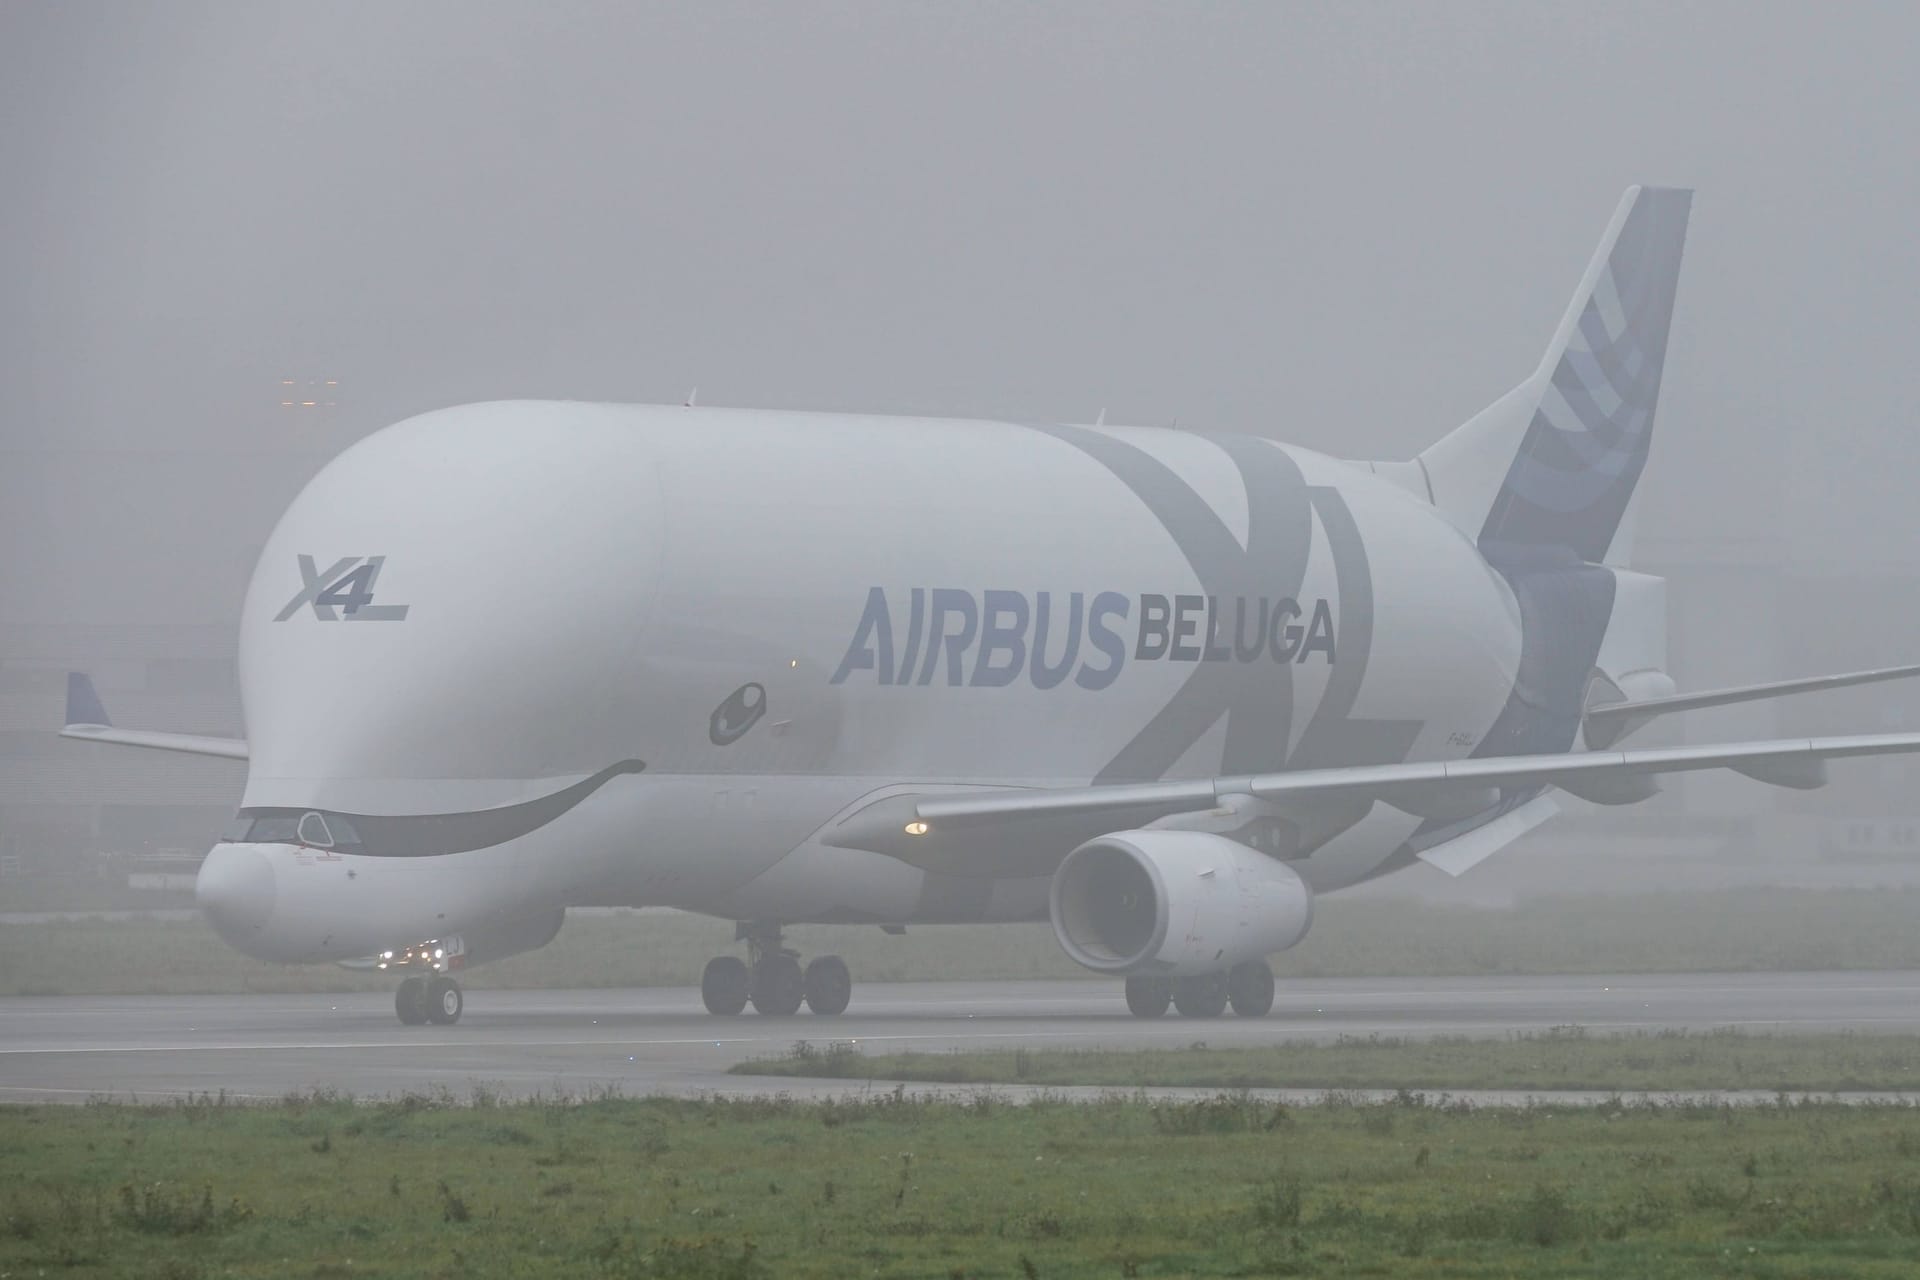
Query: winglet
point(87, 722)
point(83, 704)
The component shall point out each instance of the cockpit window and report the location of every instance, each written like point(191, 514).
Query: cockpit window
point(320, 830)
point(274, 831)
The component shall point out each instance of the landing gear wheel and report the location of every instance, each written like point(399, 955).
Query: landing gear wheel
point(444, 1001)
point(725, 984)
point(1250, 989)
point(778, 986)
point(828, 986)
point(1201, 997)
point(410, 1001)
point(1149, 997)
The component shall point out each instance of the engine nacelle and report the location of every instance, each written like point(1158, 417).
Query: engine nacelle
point(1175, 904)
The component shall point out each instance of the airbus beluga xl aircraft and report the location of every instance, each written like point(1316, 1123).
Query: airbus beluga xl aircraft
point(1158, 688)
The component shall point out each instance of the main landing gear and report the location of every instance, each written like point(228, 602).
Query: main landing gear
point(436, 999)
point(771, 979)
point(1247, 987)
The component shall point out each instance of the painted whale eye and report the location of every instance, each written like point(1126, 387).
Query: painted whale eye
point(739, 712)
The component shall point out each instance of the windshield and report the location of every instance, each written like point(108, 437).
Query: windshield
point(323, 830)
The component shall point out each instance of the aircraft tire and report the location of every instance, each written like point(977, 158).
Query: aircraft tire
point(1148, 997)
point(1201, 997)
point(410, 1001)
point(445, 1003)
point(828, 986)
point(724, 986)
point(778, 986)
point(1250, 989)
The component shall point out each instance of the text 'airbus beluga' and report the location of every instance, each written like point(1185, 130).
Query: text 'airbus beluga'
point(1160, 688)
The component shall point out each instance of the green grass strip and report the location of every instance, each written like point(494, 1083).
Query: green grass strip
point(1562, 1059)
point(895, 1186)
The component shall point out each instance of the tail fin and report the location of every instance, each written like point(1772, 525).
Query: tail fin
point(1551, 466)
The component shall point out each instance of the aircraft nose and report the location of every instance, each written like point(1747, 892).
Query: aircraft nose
point(236, 893)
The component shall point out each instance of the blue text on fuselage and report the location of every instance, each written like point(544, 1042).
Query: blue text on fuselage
point(994, 638)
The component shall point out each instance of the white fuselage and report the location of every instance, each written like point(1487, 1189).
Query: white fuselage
point(563, 587)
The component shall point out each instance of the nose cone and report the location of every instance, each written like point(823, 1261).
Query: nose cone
point(236, 892)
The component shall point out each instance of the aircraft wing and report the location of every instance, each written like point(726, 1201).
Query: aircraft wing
point(1608, 722)
point(87, 721)
point(964, 830)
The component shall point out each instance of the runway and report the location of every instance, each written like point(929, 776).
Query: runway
point(660, 1041)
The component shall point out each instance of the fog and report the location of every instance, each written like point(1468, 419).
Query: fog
point(1349, 227)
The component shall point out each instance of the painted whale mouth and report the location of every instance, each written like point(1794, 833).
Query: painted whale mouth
point(426, 835)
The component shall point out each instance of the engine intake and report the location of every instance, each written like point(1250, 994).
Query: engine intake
point(1175, 904)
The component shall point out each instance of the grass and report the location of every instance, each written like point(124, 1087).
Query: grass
point(1732, 930)
point(972, 1187)
point(1563, 1059)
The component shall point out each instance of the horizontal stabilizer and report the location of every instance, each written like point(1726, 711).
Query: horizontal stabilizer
point(1609, 722)
point(87, 722)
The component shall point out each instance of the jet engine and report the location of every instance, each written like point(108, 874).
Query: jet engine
point(1175, 904)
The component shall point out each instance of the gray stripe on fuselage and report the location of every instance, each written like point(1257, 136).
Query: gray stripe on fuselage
point(1257, 697)
point(429, 835)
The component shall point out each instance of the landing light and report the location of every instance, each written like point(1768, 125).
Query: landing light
point(917, 828)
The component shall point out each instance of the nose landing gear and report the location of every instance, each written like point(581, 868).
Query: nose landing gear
point(772, 980)
point(410, 1001)
point(432, 996)
point(421, 1000)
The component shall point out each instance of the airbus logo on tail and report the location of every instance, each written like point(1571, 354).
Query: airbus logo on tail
point(345, 585)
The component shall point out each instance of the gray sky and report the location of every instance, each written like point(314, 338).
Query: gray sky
point(1345, 226)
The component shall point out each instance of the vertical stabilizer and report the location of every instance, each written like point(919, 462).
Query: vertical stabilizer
point(1551, 466)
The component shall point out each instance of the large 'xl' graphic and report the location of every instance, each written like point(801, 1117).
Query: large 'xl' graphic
point(1257, 700)
point(346, 584)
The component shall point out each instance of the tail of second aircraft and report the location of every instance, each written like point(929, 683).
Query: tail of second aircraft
point(1549, 469)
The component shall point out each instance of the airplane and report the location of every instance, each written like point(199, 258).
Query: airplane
point(1159, 688)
